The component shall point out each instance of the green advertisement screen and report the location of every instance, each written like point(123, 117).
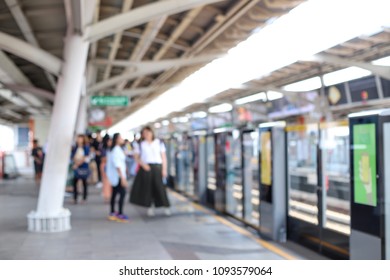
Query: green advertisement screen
point(364, 164)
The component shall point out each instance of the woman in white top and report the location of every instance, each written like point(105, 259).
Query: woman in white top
point(148, 189)
point(116, 173)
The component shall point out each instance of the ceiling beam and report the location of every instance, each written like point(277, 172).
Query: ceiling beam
point(382, 71)
point(140, 16)
point(138, 91)
point(184, 24)
point(31, 90)
point(10, 73)
point(27, 31)
point(146, 68)
point(29, 52)
point(126, 6)
point(144, 43)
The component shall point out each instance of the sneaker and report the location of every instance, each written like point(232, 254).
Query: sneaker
point(151, 212)
point(113, 216)
point(167, 211)
point(99, 185)
point(122, 218)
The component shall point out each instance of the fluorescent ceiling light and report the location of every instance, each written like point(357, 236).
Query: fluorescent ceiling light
point(273, 124)
point(175, 120)
point(274, 95)
point(385, 61)
point(199, 115)
point(366, 113)
point(157, 125)
point(345, 75)
point(221, 108)
point(297, 34)
point(165, 122)
point(305, 85)
point(183, 119)
point(251, 98)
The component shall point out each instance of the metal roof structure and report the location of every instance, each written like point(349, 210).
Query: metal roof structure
point(156, 52)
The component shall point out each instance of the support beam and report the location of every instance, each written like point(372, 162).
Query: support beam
point(139, 91)
point(31, 53)
point(382, 71)
point(10, 73)
point(31, 90)
point(50, 216)
point(146, 68)
point(140, 16)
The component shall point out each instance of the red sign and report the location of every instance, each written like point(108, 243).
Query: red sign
point(107, 122)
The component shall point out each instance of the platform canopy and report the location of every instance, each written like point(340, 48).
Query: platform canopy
point(142, 48)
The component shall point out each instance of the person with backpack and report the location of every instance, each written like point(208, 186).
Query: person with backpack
point(148, 188)
point(80, 166)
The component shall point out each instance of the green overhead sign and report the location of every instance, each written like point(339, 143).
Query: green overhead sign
point(109, 101)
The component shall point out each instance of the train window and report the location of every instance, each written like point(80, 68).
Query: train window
point(336, 178)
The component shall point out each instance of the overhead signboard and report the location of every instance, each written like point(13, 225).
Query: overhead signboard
point(120, 101)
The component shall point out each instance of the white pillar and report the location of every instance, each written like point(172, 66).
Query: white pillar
point(50, 215)
point(81, 123)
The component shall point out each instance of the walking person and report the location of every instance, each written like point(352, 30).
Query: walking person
point(116, 173)
point(80, 165)
point(148, 188)
point(106, 191)
point(38, 155)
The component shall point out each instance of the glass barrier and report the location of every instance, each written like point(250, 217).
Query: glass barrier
point(251, 177)
point(302, 144)
point(336, 177)
point(234, 190)
point(211, 177)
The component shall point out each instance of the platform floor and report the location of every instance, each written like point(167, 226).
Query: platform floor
point(192, 232)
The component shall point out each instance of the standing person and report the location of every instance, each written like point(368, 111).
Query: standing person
point(38, 155)
point(148, 189)
point(97, 145)
point(116, 173)
point(128, 148)
point(80, 159)
point(106, 191)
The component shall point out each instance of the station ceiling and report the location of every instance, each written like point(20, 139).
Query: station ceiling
point(204, 32)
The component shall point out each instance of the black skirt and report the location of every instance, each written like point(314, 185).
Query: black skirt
point(148, 188)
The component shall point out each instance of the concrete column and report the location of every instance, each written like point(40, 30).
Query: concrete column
point(50, 215)
point(81, 123)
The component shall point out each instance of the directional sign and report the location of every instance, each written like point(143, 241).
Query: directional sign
point(109, 101)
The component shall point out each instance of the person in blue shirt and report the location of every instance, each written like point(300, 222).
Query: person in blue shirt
point(116, 173)
point(80, 160)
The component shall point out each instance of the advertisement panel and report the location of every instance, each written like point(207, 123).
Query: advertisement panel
point(364, 162)
point(266, 169)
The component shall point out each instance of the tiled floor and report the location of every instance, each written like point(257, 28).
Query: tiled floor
point(189, 233)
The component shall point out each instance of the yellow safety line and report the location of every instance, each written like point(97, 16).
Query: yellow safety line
point(328, 245)
point(239, 229)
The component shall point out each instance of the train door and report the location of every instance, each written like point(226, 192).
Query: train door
point(234, 188)
point(318, 187)
point(211, 174)
point(200, 168)
point(335, 164)
point(188, 171)
point(222, 147)
point(250, 155)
